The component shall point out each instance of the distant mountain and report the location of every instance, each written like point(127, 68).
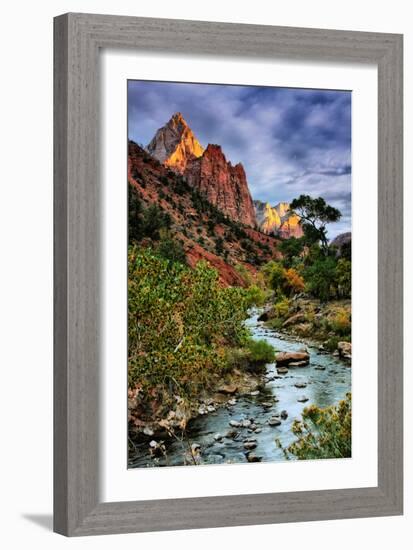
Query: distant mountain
point(277, 220)
point(224, 185)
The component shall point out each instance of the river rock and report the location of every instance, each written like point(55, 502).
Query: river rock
point(284, 358)
point(211, 408)
point(344, 350)
point(203, 409)
point(258, 430)
point(218, 437)
point(148, 431)
point(282, 370)
point(195, 447)
point(228, 389)
point(232, 401)
point(252, 457)
point(267, 314)
point(250, 443)
point(302, 399)
point(284, 415)
point(300, 385)
point(246, 423)
point(231, 434)
point(319, 367)
point(298, 364)
point(234, 423)
point(255, 392)
point(274, 421)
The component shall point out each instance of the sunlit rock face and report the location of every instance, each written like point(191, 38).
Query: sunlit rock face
point(223, 184)
point(290, 226)
point(174, 144)
point(268, 218)
point(278, 220)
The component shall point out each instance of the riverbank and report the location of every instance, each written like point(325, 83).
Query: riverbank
point(244, 425)
point(311, 321)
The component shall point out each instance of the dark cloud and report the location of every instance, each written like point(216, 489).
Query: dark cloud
point(290, 141)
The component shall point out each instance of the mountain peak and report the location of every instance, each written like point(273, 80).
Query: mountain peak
point(175, 143)
point(178, 116)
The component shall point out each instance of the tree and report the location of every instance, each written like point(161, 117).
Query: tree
point(170, 248)
point(321, 278)
point(315, 214)
point(291, 249)
point(219, 245)
point(134, 215)
point(343, 277)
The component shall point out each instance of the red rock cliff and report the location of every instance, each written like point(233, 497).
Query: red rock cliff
point(224, 185)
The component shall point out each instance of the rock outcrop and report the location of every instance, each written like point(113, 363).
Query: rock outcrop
point(174, 144)
point(223, 184)
point(340, 242)
point(290, 227)
point(278, 220)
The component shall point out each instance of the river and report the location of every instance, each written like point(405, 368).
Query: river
point(327, 380)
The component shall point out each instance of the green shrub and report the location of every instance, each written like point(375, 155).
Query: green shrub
point(260, 353)
point(275, 324)
point(282, 307)
point(341, 322)
point(180, 321)
point(323, 433)
point(255, 296)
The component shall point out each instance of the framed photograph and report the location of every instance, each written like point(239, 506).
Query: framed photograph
point(228, 274)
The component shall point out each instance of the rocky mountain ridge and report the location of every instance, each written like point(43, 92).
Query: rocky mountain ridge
point(224, 185)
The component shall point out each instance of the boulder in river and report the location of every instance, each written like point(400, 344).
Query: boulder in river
point(282, 370)
point(284, 415)
point(284, 358)
point(234, 423)
point(298, 364)
point(302, 399)
point(300, 385)
point(252, 457)
point(231, 434)
point(250, 443)
point(274, 421)
point(267, 314)
point(218, 437)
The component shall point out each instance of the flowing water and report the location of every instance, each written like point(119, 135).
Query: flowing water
point(327, 380)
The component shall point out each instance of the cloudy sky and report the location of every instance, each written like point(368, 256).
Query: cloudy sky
point(290, 141)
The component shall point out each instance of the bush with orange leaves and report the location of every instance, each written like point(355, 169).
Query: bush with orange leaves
point(293, 282)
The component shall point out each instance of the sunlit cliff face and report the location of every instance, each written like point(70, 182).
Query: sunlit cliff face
point(278, 220)
point(175, 143)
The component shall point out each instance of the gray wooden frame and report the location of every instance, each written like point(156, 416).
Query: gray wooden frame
point(78, 39)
